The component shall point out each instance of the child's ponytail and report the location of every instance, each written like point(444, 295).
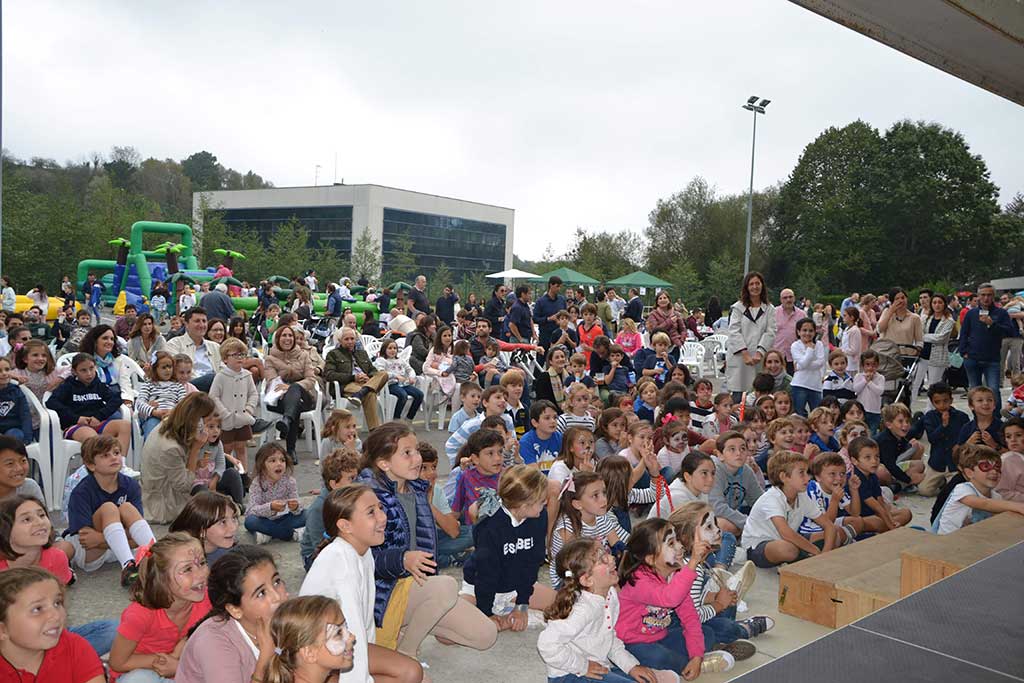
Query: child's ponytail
point(572, 489)
point(573, 561)
point(153, 588)
point(298, 623)
point(339, 504)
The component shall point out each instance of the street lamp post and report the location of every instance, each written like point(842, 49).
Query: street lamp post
point(756, 107)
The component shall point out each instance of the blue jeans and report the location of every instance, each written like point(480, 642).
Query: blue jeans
point(721, 628)
point(984, 373)
point(404, 393)
point(450, 550)
point(726, 553)
point(873, 421)
point(148, 425)
point(280, 528)
point(99, 634)
point(614, 675)
point(803, 396)
point(667, 653)
point(143, 676)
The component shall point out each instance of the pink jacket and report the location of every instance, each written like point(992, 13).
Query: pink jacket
point(646, 606)
point(630, 342)
point(670, 323)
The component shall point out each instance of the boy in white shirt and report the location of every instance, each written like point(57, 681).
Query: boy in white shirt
point(771, 533)
point(975, 499)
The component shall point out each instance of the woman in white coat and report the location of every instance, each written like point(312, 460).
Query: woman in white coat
point(934, 357)
point(751, 334)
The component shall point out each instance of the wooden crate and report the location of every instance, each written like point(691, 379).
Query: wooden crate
point(810, 589)
point(925, 563)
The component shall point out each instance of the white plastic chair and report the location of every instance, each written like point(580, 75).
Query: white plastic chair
point(714, 354)
point(42, 451)
point(405, 353)
point(367, 340)
point(356, 408)
point(692, 357)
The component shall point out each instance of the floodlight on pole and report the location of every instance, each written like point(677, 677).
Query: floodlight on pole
point(755, 109)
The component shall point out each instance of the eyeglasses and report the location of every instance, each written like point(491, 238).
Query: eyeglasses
point(989, 465)
point(235, 355)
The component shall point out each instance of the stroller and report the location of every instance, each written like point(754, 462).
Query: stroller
point(898, 370)
point(320, 330)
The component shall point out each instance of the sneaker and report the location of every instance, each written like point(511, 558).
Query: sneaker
point(717, 661)
point(741, 606)
point(297, 534)
point(755, 626)
point(739, 649)
point(261, 539)
point(740, 582)
point(261, 426)
point(129, 574)
point(129, 472)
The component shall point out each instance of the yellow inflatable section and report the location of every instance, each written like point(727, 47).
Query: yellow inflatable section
point(22, 303)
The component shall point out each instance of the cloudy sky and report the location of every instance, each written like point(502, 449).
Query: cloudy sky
point(572, 113)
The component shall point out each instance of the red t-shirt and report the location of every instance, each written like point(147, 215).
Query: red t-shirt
point(152, 631)
point(52, 560)
point(71, 660)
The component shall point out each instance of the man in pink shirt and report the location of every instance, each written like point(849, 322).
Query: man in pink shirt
point(786, 317)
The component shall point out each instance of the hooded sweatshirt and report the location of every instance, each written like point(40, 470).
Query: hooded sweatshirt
point(14, 411)
point(732, 491)
point(73, 400)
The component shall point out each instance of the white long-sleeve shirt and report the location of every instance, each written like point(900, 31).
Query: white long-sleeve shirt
point(588, 633)
point(809, 364)
point(869, 393)
point(851, 345)
point(341, 573)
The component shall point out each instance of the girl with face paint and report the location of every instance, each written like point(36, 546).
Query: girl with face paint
point(710, 592)
point(311, 639)
point(654, 583)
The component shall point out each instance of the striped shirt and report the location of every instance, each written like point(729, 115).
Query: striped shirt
point(604, 525)
point(698, 415)
point(166, 395)
point(699, 590)
point(567, 420)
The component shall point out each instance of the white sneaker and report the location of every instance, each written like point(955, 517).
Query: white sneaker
point(261, 539)
point(717, 661)
point(297, 534)
point(740, 582)
point(129, 472)
point(741, 607)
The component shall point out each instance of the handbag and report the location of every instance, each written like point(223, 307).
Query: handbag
point(955, 359)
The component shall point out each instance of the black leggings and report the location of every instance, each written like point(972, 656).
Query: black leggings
point(230, 483)
point(294, 402)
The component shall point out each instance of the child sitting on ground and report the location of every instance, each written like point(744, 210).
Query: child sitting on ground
point(702, 407)
point(541, 445)
point(336, 470)
point(847, 433)
point(884, 517)
point(838, 382)
point(30, 596)
point(514, 385)
point(27, 540)
point(943, 424)
point(783, 404)
point(771, 532)
point(737, 486)
point(802, 437)
point(851, 410)
point(646, 400)
point(840, 502)
point(274, 507)
point(469, 394)
point(340, 432)
point(484, 452)
point(723, 420)
point(577, 415)
point(500, 576)
point(763, 386)
point(576, 645)
point(976, 499)
point(87, 407)
point(583, 513)
point(674, 435)
point(986, 429)
point(716, 604)
point(610, 433)
point(212, 519)
point(822, 430)
point(168, 600)
point(1015, 404)
point(1011, 482)
point(102, 507)
point(454, 540)
point(900, 455)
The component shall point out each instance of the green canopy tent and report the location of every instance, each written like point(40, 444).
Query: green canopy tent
point(568, 275)
point(401, 285)
point(639, 279)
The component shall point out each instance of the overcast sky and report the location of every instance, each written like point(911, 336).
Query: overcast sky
point(572, 113)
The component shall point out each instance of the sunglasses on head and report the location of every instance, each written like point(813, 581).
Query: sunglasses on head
point(989, 465)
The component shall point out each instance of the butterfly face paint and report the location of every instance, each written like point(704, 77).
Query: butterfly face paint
point(339, 640)
point(709, 530)
point(671, 550)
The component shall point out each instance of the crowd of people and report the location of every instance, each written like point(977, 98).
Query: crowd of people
point(579, 441)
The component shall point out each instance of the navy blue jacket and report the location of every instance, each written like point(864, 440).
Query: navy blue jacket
point(72, 400)
point(544, 308)
point(388, 556)
point(445, 308)
point(941, 439)
point(505, 558)
point(634, 310)
point(334, 305)
point(14, 411)
point(982, 342)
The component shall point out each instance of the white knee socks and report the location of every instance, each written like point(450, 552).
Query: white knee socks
point(116, 539)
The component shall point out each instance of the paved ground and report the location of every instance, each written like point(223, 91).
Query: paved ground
point(514, 658)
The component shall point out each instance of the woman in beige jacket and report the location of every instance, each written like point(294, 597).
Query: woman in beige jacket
point(170, 457)
point(289, 373)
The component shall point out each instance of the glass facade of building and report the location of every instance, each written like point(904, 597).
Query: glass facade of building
point(331, 225)
point(465, 246)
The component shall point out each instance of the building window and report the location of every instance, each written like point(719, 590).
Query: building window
point(330, 225)
point(465, 246)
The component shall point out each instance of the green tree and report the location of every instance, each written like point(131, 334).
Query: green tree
point(438, 280)
point(203, 170)
point(400, 264)
point(164, 183)
point(605, 255)
point(124, 161)
point(366, 257)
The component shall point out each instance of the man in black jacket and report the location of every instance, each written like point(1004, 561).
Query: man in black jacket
point(635, 307)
